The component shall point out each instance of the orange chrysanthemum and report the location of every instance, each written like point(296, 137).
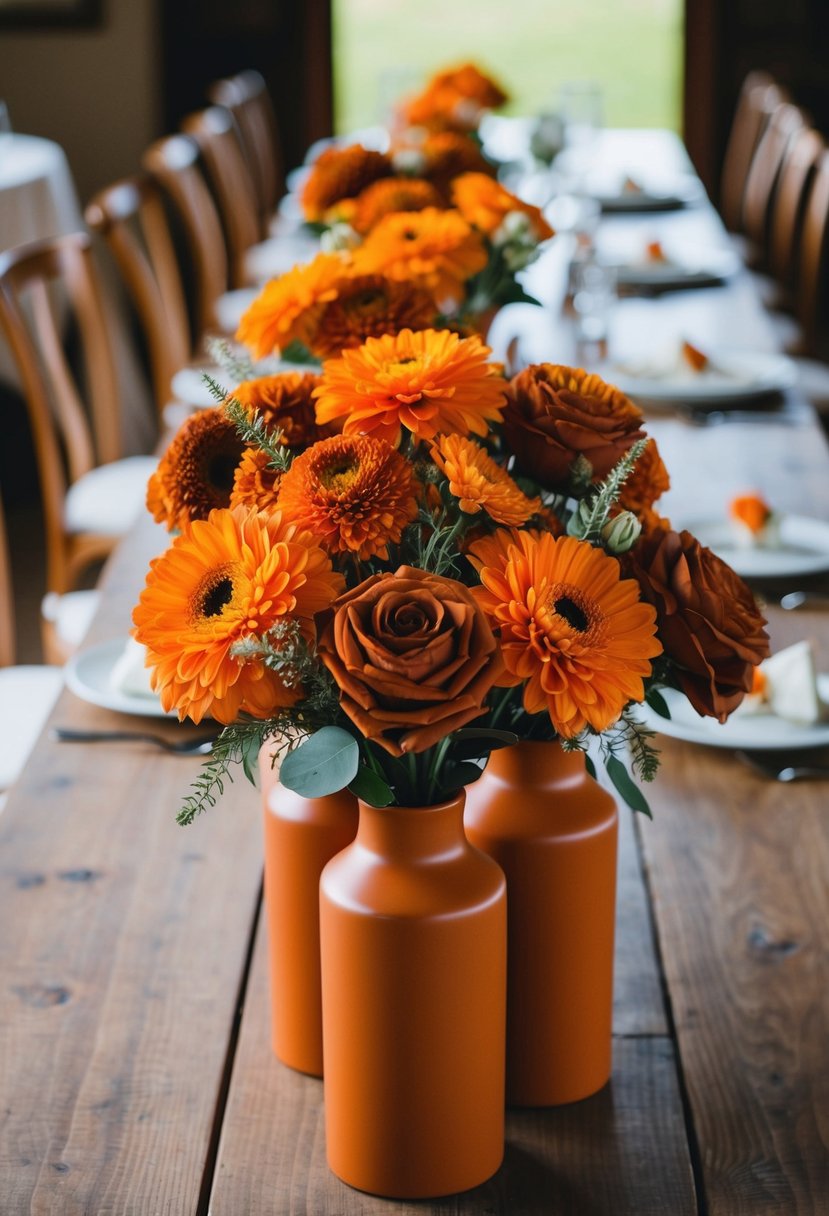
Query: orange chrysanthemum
point(485, 203)
point(573, 631)
point(224, 581)
point(340, 173)
point(647, 482)
point(355, 492)
point(447, 155)
point(368, 306)
point(389, 195)
point(479, 483)
point(256, 482)
point(435, 249)
point(426, 381)
point(286, 309)
point(285, 403)
point(195, 474)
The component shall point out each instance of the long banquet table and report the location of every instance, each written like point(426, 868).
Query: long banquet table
point(136, 1075)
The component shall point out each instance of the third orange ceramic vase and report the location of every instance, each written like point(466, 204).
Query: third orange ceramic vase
point(553, 830)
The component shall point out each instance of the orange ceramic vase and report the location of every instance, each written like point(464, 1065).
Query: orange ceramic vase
point(301, 835)
point(413, 929)
point(553, 830)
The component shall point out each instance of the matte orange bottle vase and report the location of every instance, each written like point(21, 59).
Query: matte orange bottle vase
point(301, 835)
point(413, 929)
point(553, 830)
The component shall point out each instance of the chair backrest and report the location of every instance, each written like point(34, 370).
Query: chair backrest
point(65, 442)
point(7, 635)
point(130, 216)
point(793, 186)
point(758, 97)
point(173, 162)
point(814, 248)
point(246, 96)
point(217, 136)
point(761, 182)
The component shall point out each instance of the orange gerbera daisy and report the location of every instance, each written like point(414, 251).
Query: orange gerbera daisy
point(256, 482)
point(435, 249)
point(355, 492)
point(340, 173)
point(286, 403)
point(426, 381)
point(447, 154)
point(224, 581)
point(389, 195)
point(485, 203)
point(479, 483)
point(367, 306)
point(195, 474)
point(286, 309)
point(573, 631)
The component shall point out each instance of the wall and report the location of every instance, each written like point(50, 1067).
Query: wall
point(94, 91)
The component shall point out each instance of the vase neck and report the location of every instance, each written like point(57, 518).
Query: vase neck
point(409, 833)
point(538, 763)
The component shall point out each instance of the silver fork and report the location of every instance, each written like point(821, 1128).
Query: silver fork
point(778, 771)
point(199, 746)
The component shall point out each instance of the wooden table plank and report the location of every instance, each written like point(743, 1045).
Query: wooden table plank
point(621, 1153)
point(122, 943)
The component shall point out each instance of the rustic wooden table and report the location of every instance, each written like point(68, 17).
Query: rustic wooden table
point(136, 1076)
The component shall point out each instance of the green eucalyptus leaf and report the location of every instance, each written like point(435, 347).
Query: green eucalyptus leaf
point(324, 763)
point(626, 786)
point(657, 703)
point(250, 755)
point(589, 766)
point(371, 787)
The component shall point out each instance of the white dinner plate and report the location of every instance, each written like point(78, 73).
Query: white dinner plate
point(88, 674)
point(735, 375)
point(709, 269)
point(803, 547)
point(746, 732)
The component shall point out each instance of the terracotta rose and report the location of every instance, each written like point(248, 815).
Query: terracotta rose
point(707, 619)
point(413, 655)
point(555, 414)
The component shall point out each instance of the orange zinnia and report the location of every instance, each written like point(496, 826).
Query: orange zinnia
point(485, 203)
point(286, 309)
point(389, 195)
point(256, 482)
point(355, 492)
point(195, 474)
point(285, 403)
point(340, 173)
point(435, 249)
point(479, 483)
point(573, 631)
point(427, 382)
point(367, 306)
point(224, 581)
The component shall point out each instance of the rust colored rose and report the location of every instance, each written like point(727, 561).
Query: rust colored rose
point(413, 655)
point(556, 414)
point(707, 619)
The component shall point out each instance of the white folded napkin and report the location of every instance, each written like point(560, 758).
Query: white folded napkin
point(129, 675)
point(788, 687)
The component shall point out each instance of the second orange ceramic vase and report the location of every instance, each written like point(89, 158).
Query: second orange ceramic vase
point(553, 830)
point(413, 931)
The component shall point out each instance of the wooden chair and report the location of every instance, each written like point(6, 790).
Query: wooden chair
point(173, 162)
point(27, 692)
point(794, 182)
point(246, 96)
point(810, 295)
point(130, 217)
point(214, 131)
point(90, 495)
point(758, 97)
point(764, 171)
